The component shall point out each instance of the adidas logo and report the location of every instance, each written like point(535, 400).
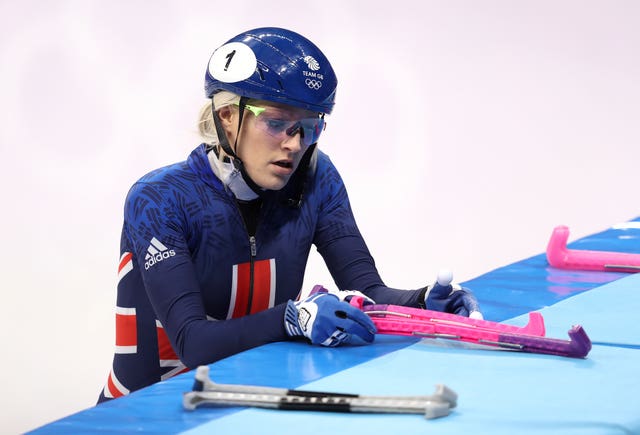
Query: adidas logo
point(156, 252)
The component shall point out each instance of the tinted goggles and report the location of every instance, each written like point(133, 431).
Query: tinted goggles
point(309, 128)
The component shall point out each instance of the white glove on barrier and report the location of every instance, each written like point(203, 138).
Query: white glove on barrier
point(324, 319)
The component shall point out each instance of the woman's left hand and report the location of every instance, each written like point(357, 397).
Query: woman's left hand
point(451, 298)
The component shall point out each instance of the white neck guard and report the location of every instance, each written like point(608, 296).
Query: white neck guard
point(231, 177)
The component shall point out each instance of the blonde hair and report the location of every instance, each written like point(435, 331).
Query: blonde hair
point(206, 127)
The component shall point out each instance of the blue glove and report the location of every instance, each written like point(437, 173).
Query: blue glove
point(451, 298)
point(324, 319)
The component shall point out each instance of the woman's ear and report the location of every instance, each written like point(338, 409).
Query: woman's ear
point(228, 120)
point(225, 114)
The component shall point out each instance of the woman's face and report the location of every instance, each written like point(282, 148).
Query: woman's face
point(269, 154)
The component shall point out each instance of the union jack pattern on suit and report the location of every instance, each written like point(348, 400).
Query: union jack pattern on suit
point(193, 288)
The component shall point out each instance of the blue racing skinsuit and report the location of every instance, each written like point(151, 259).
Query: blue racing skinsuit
point(188, 262)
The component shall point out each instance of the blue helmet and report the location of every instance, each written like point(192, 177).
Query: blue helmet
point(276, 65)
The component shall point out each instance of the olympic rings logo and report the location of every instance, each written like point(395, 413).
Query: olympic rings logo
point(313, 84)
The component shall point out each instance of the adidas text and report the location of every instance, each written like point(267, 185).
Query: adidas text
point(158, 258)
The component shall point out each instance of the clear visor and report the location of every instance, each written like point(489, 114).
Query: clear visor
point(280, 123)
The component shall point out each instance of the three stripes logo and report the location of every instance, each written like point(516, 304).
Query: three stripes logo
point(156, 252)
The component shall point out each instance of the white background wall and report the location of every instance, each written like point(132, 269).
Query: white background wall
point(465, 131)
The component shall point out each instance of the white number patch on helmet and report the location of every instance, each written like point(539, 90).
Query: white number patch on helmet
point(232, 62)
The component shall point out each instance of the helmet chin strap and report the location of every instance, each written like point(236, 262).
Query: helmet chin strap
point(231, 152)
point(299, 177)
